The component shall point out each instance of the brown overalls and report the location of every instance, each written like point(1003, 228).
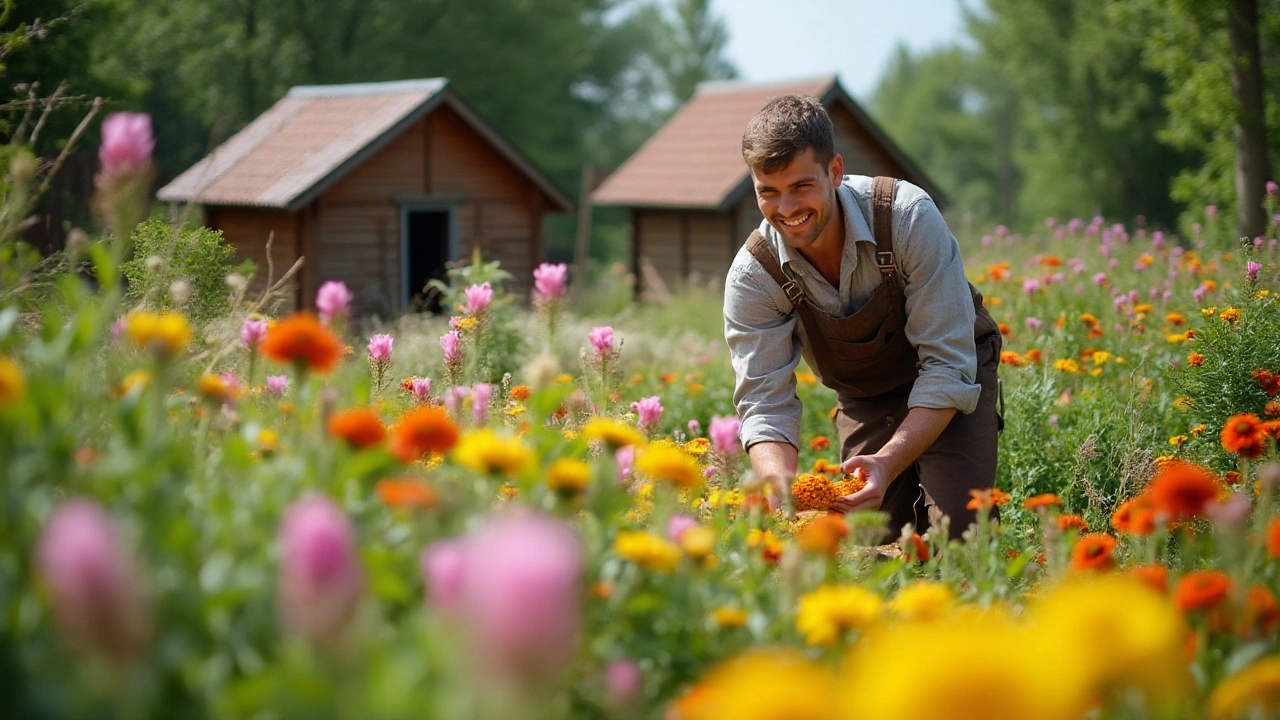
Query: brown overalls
point(866, 358)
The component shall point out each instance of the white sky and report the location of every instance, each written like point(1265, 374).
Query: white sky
point(781, 40)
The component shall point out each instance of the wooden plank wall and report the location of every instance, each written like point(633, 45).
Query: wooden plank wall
point(683, 246)
point(247, 229)
point(862, 154)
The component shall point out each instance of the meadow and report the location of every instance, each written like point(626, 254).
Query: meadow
point(539, 507)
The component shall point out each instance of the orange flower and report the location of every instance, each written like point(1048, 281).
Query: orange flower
point(302, 340)
point(986, 498)
point(407, 493)
point(823, 535)
point(519, 392)
point(1004, 329)
point(1261, 616)
point(820, 443)
point(825, 467)
point(1243, 435)
point(1009, 357)
point(1269, 381)
point(1072, 522)
point(849, 485)
point(1273, 537)
point(1033, 355)
point(1181, 489)
point(1272, 409)
point(917, 550)
point(423, 430)
point(1135, 516)
point(1154, 575)
point(1093, 552)
point(813, 492)
point(1201, 590)
point(1195, 359)
point(1047, 500)
point(358, 427)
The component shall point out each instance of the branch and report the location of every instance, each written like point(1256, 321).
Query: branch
point(44, 183)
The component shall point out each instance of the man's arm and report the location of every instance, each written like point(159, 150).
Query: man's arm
point(918, 431)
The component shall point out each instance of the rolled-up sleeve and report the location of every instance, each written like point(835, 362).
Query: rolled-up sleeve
point(940, 312)
point(764, 351)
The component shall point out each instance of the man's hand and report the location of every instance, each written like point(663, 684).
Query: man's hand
point(875, 471)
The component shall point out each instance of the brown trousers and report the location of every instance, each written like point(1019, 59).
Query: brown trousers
point(962, 459)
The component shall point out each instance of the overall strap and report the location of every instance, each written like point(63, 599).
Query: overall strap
point(882, 190)
point(760, 250)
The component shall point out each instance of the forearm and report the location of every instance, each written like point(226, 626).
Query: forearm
point(918, 431)
point(773, 458)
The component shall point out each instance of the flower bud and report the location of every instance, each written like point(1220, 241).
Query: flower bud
point(180, 291)
point(237, 282)
point(154, 264)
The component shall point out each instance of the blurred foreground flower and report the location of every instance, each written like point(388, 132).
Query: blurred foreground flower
point(332, 300)
point(320, 577)
point(301, 340)
point(550, 280)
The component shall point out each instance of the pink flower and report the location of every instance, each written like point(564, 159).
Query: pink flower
point(677, 526)
point(695, 428)
point(93, 582)
point(1251, 270)
point(986, 241)
point(118, 327)
point(1229, 513)
point(623, 683)
point(421, 388)
point(380, 348)
point(127, 144)
point(724, 435)
point(601, 339)
point(252, 332)
point(1211, 210)
point(478, 297)
point(550, 280)
point(1030, 287)
point(444, 567)
point(648, 409)
point(1199, 293)
point(624, 457)
point(1196, 228)
point(1001, 231)
point(1272, 188)
point(276, 384)
point(449, 343)
point(320, 577)
point(481, 393)
point(332, 300)
point(1034, 323)
point(454, 395)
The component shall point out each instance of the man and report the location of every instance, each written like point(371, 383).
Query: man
point(886, 318)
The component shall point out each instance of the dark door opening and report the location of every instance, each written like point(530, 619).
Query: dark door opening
point(428, 253)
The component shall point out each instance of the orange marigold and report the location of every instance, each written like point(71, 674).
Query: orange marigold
point(849, 485)
point(519, 392)
point(358, 427)
point(820, 443)
point(1201, 590)
point(1271, 409)
point(1154, 575)
point(917, 550)
point(1181, 489)
point(1269, 381)
point(823, 535)
point(1093, 552)
point(1047, 500)
point(986, 498)
point(1136, 516)
point(1195, 359)
point(421, 431)
point(406, 493)
point(1273, 537)
point(1244, 435)
point(826, 467)
point(1067, 521)
point(302, 340)
point(813, 492)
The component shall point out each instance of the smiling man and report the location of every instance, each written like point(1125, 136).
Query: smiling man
point(862, 278)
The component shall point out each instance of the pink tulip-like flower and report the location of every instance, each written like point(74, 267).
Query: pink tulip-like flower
point(450, 343)
point(550, 280)
point(478, 297)
point(1073, 225)
point(1272, 188)
point(421, 388)
point(481, 394)
point(1030, 286)
point(320, 577)
point(453, 397)
point(332, 300)
point(1034, 323)
point(623, 683)
point(93, 583)
point(514, 585)
point(118, 327)
point(1199, 293)
point(625, 457)
point(724, 435)
point(127, 144)
point(677, 526)
point(277, 384)
point(252, 332)
point(601, 339)
point(695, 428)
point(1211, 210)
point(380, 346)
point(1251, 270)
point(648, 409)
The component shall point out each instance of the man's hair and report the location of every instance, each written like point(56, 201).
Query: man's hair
point(785, 127)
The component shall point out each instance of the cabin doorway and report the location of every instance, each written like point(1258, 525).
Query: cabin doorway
point(428, 245)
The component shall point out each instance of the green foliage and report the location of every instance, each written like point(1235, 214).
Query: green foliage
point(196, 256)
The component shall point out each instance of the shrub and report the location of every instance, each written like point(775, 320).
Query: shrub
point(198, 256)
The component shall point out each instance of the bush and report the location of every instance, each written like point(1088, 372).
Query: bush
point(198, 256)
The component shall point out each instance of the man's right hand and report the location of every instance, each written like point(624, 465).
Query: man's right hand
point(875, 472)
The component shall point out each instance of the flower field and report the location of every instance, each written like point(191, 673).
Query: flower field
point(534, 511)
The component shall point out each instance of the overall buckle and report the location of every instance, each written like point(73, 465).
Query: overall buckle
point(793, 292)
point(885, 260)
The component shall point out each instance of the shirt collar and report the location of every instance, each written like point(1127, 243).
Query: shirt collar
point(855, 226)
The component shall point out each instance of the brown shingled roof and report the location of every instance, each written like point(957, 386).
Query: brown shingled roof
point(315, 135)
point(695, 160)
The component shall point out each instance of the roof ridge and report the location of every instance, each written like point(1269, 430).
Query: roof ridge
point(720, 86)
point(393, 87)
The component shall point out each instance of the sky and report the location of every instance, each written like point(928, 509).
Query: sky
point(779, 40)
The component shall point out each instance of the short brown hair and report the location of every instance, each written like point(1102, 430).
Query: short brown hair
point(785, 127)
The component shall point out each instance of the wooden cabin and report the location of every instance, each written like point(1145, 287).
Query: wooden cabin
point(378, 185)
point(688, 189)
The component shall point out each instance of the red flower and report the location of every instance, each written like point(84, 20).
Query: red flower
point(1093, 552)
point(1244, 435)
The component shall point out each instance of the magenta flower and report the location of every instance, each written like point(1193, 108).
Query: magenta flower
point(450, 343)
point(724, 435)
point(625, 457)
point(421, 388)
point(677, 526)
point(127, 144)
point(252, 332)
point(320, 577)
point(1001, 231)
point(276, 384)
point(550, 280)
point(332, 300)
point(380, 348)
point(93, 583)
point(481, 394)
point(1210, 210)
point(602, 339)
point(986, 241)
point(1030, 287)
point(444, 567)
point(648, 409)
point(118, 327)
point(1034, 323)
point(454, 395)
point(623, 683)
point(1199, 293)
point(1272, 188)
point(695, 428)
point(1252, 270)
point(478, 297)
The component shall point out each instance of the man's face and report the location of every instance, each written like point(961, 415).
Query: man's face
point(798, 199)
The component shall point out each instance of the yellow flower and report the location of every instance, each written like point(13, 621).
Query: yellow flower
point(1209, 311)
point(647, 550)
point(1198, 430)
point(1100, 357)
point(515, 410)
point(1175, 318)
point(613, 433)
point(1257, 687)
point(728, 498)
point(1143, 308)
point(828, 612)
point(660, 462)
point(1088, 318)
point(1182, 403)
point(564, 379)
point(1175, 338)
point(993, 302)
point(140, 379)
point(1262, 294)
point(1066, 365)
point(698, 541)
point(1230, 315)
point(568, 477)
point(13, 383)
point(485, 451)
point(268, 441)
point(1095, 372)
point(165, 333)
point(763, 685)
point(467, 324)
point(697, 446)
point(695, 388)
point(1177, 440)
point(806, 378)
point(922, 600)
point(729, 617)
point(214, 389)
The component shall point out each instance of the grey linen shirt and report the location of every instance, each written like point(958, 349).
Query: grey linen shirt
point(766, 338)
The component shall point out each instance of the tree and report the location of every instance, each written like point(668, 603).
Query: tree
point(692, 49)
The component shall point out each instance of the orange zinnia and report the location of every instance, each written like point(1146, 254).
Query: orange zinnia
point(359, 427)
point(519, 392)
point(1154, 575)
point(302, 340)
point(1181, 490)
point(1047, 500)
point(820, 443)
point(987, 497)
point(1201, 590)
point(407, 493)
point(813, 492)
point(823, 535)
point(1093, 552)
point(423, 430)
point(1135, 516)
point(1273, 537)
point(1243, 435)
point(1072, 522)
